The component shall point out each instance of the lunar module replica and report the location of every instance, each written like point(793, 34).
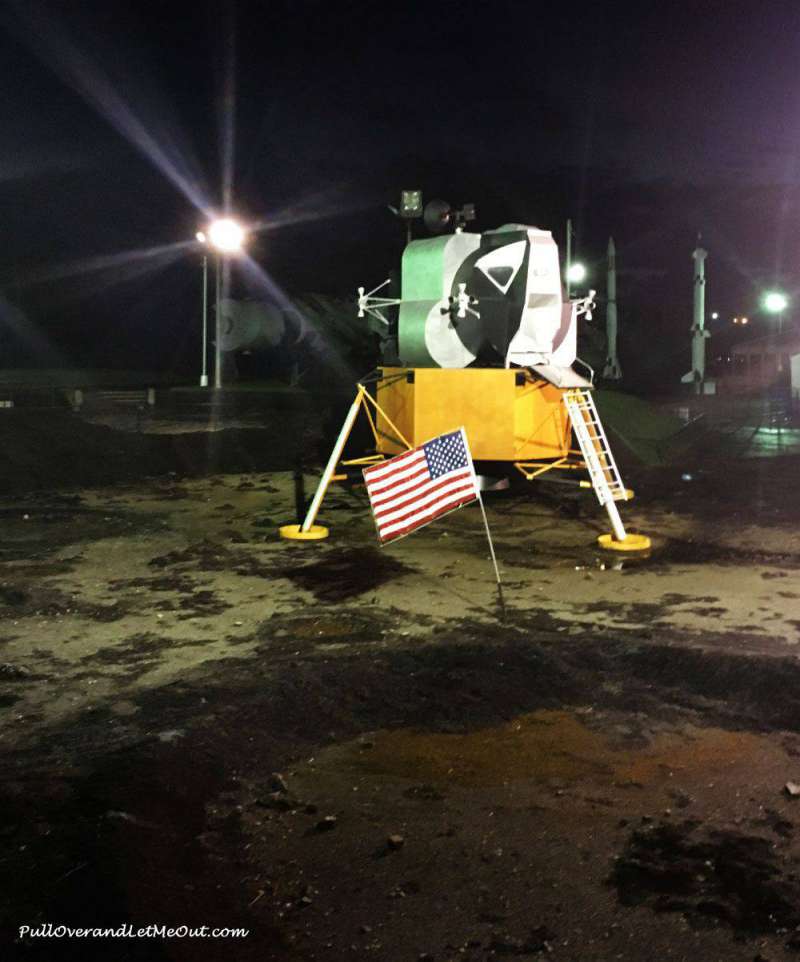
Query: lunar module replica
point(484, 339)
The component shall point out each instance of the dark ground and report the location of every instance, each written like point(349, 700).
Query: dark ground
point(351, 755)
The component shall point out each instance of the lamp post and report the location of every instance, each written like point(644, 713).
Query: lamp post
point(574, 271)
point(575, 275)
point(569, 257)
point(217, 322)
point(226, 237)
point(776, 302)
point(201, 239)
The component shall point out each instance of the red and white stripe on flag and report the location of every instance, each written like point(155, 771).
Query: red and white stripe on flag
point(413, 488)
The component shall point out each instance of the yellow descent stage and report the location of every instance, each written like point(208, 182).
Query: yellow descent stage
point(508, 416)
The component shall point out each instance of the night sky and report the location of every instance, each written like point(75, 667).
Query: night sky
point(119, 120)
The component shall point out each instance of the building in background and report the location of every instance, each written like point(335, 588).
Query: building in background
point(763, 364)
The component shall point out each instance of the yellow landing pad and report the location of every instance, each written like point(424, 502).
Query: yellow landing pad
point(294, 532)
point(634, 542)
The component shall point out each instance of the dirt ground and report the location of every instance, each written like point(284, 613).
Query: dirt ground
point(353, 752)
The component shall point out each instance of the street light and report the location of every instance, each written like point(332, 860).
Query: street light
point(200, 237)
point(776, 302)
point(576, 273)
point(226, 236)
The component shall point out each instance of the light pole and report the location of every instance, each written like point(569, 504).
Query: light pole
point(776, 302)
point(201, 238)
point(217, 321)
point(226, 237)
point(575, 275)
point(569, 257)
point(574, 271)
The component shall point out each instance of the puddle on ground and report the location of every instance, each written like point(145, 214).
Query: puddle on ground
point(682, 552)
point(710, 876)
point(547, 745)
point(345, 573)
point(675, 551)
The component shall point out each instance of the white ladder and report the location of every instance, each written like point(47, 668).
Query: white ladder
point(600, 463)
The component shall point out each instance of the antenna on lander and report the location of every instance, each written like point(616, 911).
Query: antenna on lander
point(438, 216)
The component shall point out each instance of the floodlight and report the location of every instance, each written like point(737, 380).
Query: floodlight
point(411, 203)
point(226, 235)
point(775, 302)
point(576, 273)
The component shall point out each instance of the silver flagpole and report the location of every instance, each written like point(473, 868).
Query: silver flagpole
point(489, 539)
point(485, 522)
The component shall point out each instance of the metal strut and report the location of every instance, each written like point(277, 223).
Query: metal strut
point(309, 530)
point(369, 304)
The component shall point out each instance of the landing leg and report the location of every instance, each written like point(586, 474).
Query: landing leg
point(309, 531)
point(621, 540)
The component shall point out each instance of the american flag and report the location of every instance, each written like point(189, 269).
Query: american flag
point(412, 489)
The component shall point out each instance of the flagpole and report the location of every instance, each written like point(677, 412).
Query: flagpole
point(489, 539)
point(485, 523)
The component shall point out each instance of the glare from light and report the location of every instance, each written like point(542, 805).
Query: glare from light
point(200, 237)
point(121, 102)
point(332, 202)
point(775, 302)
point(226, 236)
point(714, 315)
point(576, 273)
point(121, 266)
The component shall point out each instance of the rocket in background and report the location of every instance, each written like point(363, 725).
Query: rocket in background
point(612, 370)
point(697, 375)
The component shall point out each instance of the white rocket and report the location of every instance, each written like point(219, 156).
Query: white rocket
point(612, 369)
point(699, 334)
